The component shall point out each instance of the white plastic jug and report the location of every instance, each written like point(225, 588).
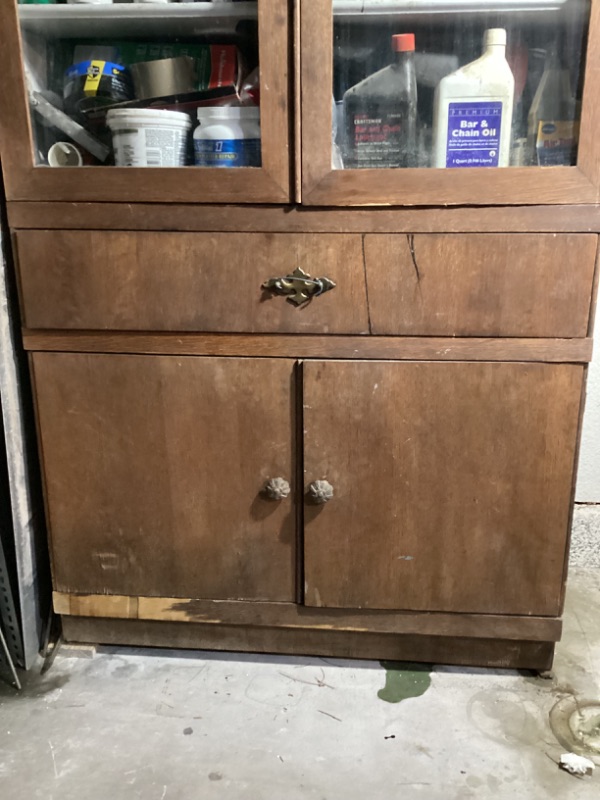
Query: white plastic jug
point(473, 110)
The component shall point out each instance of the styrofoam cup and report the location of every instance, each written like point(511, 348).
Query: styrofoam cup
point(147, 137)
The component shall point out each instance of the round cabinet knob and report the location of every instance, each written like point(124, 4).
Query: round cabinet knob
point(320, 492)
point(277, 489)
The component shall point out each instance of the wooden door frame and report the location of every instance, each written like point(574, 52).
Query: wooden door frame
point(321, 185)
point(269, 184)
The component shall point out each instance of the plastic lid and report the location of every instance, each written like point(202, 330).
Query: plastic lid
point(147, 115)
point(403, 42)
point(228, 112)
point(494, 36)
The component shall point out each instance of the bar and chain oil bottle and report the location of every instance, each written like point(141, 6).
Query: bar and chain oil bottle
point(473, 110)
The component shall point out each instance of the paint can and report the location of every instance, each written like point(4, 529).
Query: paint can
point(144, 137)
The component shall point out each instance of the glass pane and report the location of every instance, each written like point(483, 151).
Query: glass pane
point(457, 83)
point(142, 83)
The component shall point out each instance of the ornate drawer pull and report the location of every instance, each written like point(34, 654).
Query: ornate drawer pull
point(299, 287)
point(320, 492)
point(277, 489)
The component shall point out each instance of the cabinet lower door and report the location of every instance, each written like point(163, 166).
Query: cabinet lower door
point(154, 468)
point(452, 484)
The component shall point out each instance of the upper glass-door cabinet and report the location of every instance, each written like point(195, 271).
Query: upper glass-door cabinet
point(418, 102)
point(145, 100)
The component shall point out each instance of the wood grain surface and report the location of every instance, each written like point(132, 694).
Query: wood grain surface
point(154, 469)
point(284, 346)
point(291, 615)
point(299, 219)
point(467, 509)
point(480, 284)
point(337, 644)
point(188, 281)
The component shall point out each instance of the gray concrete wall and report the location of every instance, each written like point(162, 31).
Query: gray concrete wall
point(27, 519)
point(588, 480)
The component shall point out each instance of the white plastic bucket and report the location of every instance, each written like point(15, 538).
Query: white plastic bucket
point(144, 137)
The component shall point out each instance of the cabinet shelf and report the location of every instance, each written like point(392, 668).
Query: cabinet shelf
point(380, 7)
point(128, 19)
point(372, 11)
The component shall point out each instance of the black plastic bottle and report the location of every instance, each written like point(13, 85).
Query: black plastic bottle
point(380, 114)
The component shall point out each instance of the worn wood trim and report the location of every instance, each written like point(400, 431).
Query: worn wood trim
point(503, 654)
point(299, 480)
point(290, 615)
point(588, 157)
point(324, 186)
point(297, 63)
point(316, 82)
point(40, 454)
point(115, 607)
point(15, 126)
point(519, 186)
point(594, 295)
point(106, 184)
point(269, 184)
point(574, 473)
point(277, 143)
point(308, 346)
point(296, 219)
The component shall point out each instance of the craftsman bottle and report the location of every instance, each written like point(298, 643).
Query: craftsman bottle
point(380, 113)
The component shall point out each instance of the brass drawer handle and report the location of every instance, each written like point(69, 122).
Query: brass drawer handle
point(320, 492)
point(298, 287)
point(276, 489)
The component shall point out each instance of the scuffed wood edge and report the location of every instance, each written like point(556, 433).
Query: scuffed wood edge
point(384, 348)
point(292, 616)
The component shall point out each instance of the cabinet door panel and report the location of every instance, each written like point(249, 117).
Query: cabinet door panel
point(154, 468)
point(342, 44)
point(452, 484)
point(49, 40)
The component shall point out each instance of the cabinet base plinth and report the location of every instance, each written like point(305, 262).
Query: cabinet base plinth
point(498, 653)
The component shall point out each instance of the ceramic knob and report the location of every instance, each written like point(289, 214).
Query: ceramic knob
point(320, 492)
point(277, 489)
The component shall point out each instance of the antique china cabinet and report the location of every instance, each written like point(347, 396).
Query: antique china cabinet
point(319, 404)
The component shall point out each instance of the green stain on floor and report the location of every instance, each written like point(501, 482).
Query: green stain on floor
point(404, 679)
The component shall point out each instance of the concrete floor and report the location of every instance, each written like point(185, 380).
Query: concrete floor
point(174, 725)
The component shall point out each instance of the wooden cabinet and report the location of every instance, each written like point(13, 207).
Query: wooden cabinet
point(403, 349)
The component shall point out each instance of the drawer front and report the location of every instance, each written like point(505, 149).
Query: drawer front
point(480, 284)
point(204, 282)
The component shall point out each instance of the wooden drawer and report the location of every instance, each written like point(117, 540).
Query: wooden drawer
point(102, 280)
point(480, 284)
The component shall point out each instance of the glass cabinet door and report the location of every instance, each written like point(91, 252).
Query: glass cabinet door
point(449, 101)
point(145, 100)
